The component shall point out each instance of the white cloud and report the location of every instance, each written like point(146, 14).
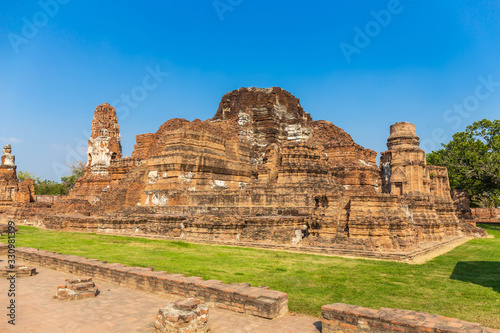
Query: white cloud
point(10, 140)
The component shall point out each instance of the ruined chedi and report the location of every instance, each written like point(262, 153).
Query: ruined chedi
point(104, 143)
point(11, 191)
point(261, 171)
point(104, 146)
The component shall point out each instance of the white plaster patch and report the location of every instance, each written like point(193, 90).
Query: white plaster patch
point(408, 212)
point(365, 163)
point(159, 200)
point(152, 177)
point(298, 237)
point(295, 132)
point(281, 111)
point(219, 184)
point(347, 186)
point(243, 118)
point(98, 154)
point(187, 177)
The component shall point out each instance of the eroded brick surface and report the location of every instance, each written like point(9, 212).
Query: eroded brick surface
point(17, 271)
point(348, 318)
point(183, 316)
point(13, 192)
point(486, 215)
point(77, 288)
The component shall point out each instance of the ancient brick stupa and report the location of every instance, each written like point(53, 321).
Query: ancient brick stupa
point(262, 171)
point(8, 178)
point(104, 142)
point(104, 146)
point(11, 191)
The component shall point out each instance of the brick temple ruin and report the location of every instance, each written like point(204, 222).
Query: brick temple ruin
point(11, 191)
point(261, 172)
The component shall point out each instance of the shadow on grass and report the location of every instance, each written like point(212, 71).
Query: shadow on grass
point(483, 273)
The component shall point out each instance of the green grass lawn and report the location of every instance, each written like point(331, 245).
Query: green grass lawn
point(464, 283)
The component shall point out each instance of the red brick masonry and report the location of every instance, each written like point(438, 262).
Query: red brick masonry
point(77, 288)
point(486, 215)
point(347, 318)
point(243, 298)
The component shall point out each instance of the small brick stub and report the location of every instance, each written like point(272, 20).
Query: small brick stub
point(183, 316)
point(77, 288)
point(347, 318)
point(18, 271)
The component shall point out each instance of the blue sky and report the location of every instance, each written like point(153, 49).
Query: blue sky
point(432, 63)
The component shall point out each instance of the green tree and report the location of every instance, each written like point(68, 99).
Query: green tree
point(473, 161)
point(22, 175)
point(77, 171)
point(50, 187)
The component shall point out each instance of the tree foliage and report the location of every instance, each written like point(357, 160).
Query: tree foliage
point(77, 171)
point(473, 161)
point(22, 175)
point(50, 187)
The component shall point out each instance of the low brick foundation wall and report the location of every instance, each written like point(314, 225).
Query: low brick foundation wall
point(332, 249)
point(347, 318)
point(486, 215)
point(243, 298)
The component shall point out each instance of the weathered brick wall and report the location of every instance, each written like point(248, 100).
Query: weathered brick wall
point(347, 318)
point(241, 297)
point(488, 215)
point(48, 198)
point(145, 145)
point(9, 187)
point(27, 213)
point(461, 200)
point(26, 193)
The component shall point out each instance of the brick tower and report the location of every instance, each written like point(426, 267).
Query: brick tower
point(403, 165)
point(104, 143)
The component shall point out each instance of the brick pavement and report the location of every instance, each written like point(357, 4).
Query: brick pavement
point(117, 309)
